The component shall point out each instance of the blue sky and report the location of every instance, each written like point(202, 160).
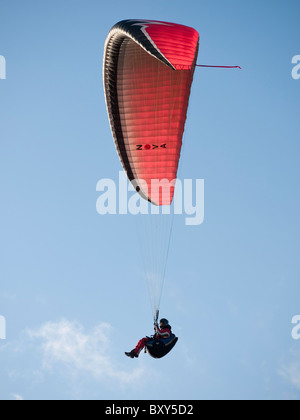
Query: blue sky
point(71, 285)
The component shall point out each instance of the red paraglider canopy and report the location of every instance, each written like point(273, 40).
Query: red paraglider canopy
point(148, 72)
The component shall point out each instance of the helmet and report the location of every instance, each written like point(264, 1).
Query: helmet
point(164, 322)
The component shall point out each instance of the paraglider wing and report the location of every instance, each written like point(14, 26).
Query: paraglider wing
point(148, 72)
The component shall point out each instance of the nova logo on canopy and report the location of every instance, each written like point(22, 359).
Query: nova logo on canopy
point(150, 146)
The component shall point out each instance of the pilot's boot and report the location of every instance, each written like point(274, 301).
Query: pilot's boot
point(132, 354)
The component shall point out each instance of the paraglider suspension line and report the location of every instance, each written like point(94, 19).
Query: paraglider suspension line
point(219, 67)
point(156, 317)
